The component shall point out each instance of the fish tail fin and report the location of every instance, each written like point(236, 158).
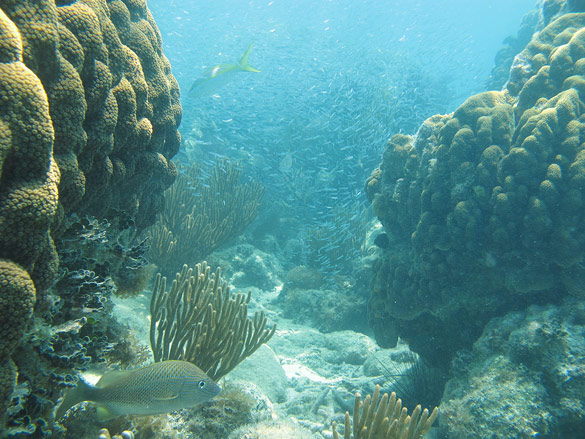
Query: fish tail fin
point(72, 397)
point(244, 60)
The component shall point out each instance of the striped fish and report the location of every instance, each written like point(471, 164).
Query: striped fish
point(157, 388)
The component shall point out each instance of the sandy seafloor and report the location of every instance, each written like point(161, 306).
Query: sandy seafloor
point(303, 379)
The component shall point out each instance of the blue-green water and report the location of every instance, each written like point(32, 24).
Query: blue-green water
point(337, 79)
point(414, 229)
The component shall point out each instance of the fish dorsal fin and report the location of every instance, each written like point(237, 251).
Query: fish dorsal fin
point(244, 60)
point(110, 378)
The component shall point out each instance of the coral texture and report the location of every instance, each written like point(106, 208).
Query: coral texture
point(89, 112)
point(202, 215)
point(385, 418)
point(28, 195)
point(534, 21)
point(125, 131)
point(484, 207)
point(200, 321)
point(524, 377)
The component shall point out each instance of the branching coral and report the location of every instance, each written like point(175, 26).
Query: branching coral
point(200, 321)
point(201, 214)
point(386, 419)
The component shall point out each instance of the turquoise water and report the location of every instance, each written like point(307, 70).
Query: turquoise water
point(454, 41)
point(337, 80)
point(446, 265)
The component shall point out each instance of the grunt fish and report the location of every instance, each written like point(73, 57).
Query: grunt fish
point(157, 388)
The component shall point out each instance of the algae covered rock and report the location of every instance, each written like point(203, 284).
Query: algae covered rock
point(523, 377)
point(484, 207)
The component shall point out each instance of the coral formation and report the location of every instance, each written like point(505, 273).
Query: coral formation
point(233, 408)
point(113, 102)
point(200, 321)
point(201, 214)
point(88, 124)
point(75, 332)
point(534, 21)
point(483, 208)
point(303, 277)
point(28, 196)
point(523, 378)
point(109, 248)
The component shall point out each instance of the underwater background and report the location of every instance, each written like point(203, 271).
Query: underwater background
point(316, 203)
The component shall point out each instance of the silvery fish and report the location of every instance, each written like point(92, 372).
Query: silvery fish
point(157, 388)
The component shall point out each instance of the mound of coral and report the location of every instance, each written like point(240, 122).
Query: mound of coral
point(484, 208)
point(89, 112)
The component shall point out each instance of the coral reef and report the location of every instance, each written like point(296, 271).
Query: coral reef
point(246, 267)
point(75, 332)
point(110, 248)
point(303, 277)
point(88, 124)
point(483, 208)
point(329, 304)
point(201, 214)
point(200, 321)
point(28, 196)
point(512, 46)
point(523, 378)
point(235, 407)
point(131, 112)
point(534, 21)
point(113, 102)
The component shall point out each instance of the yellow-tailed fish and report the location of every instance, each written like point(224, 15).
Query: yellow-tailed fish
point(220, 75)
point(157, 388)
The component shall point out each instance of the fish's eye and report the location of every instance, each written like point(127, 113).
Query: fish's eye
point(201, 384)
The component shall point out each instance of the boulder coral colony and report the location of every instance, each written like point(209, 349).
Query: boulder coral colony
point(89, 112)
point(485, 207)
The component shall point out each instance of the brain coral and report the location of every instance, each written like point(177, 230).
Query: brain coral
point(89, 112)
point(485, 207)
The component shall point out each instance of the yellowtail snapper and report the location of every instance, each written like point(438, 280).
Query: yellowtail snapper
point(220, 75)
